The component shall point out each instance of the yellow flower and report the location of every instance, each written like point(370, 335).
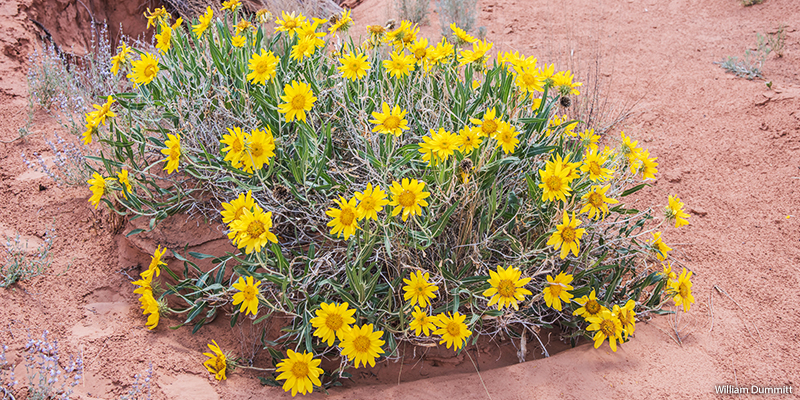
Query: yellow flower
point(370, 202)
point(342, 24)
point(468, 139)
point(422, 322)
point(150, 306)
point(144, 70)
point(304, 48)
point(562, 81)
point(528, 80)
point(247, 295)
point(589, 139)
point(122, 178)
point(519, 61)
point(596, 203)
point(309, 32)
point(403, 35)
point(627, 317)
point(506, 137)
point(242, 26)
point(238, 41)
point(419, 49)
point(230, 5)
point(234, 210)
point(478, 53)
point(289, 24)
point(557, 289)
point(647, 166)
point(345, 218)
point(667, 272)
point(362, 345)
point(442, 144)
point(235, 149)
point(555, 182)
point(418, 289)
point(159, 14)
point(571, 167)
point(658, 247)
point(217, 363)
point(263, 15)
point(489, 124)
point(682, 290)
point(332, 320)
point(590, 307)
point(376, 33)
point(675, 211)
point(154, 269)
point(164, 39)
point(259, 147)
point(145, 284)
point(593, 164)
point(205, 21)
point(607, 326)
point(408, 197)
point(507, 287)
point(98, 188)
point(442, 53)
point(301, 372)
point(567, 236)
point(298, 99)
point(399, 65)
point(173, 152)
point(453, 329)
point(630, 150)
point(252, 230)
point(390, 121)
point(354, 66)
point(103, 112)
point(461, 36)
point(262, 67)
point(120, 58)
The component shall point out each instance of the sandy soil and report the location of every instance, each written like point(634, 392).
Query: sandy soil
point(730, 148)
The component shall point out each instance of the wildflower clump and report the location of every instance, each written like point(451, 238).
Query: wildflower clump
point(399, 189)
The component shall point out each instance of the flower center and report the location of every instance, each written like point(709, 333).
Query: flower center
point(553, 183)
point(299, 102)
point(596, 199)
point(420, 53)
point(608, 328)
point(623, 317)
point(506, 288)
point(290, 24)
point(256, 150)
point(150, 70)
point(594, 168)
point(255, 229)
point(592, 307)
point(368, 203)
point(249, 293)
point(453, 329)
point(489, 127)
point(391, 122)
point(300, 369)
point(334, 322)
point(347, 216)
point(220, 364)
point(174, 154)
point(529, 79)
point(568, 235)
point(354, 66)
point(361, 344)
point(420, 289)
point(683, 290)
point(262, 67)
point(555, 289)
point(407, 198)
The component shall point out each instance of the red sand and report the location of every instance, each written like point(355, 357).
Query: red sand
point(730, 148)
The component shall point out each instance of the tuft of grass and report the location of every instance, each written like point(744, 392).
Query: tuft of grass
point(460, 12)
point(748, 67)
point(20, 264)
point(773, 42)
point(415, 11)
